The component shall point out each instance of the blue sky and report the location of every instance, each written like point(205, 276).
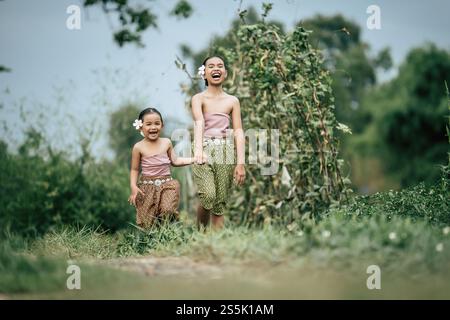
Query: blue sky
point(76, 77)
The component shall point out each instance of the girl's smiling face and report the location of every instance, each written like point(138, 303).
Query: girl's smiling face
point(152, 126)
point(215, 72)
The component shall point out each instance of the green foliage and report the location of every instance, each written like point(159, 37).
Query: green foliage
point(42, 190)
point(4, 69)
point(159, 237)
point(86, 242)
point(332, 33)
point(121, 134)
point(182, 9)
point(418, 202)
point(408, 132)
point(445, 169)
point(353, 71)
point(73, 242)
point(134, 20)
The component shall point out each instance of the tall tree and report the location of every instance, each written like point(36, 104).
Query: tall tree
point(352, 68)
point(410, 117)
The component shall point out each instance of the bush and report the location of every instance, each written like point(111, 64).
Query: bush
point(417, 203)
point(43, 190)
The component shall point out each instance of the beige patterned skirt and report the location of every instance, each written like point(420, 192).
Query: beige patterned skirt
point(158, 202)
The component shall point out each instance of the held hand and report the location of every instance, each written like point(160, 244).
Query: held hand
point(199, 157)
point(239, 174)
point(134, 192)
point(204, 158)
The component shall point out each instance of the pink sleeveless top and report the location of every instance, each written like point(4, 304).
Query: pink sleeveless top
point(156, 165)
point(216, 124)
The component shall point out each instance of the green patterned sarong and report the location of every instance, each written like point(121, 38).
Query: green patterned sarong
point(214, 179)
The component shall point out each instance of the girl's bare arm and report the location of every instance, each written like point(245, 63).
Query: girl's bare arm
point(178, 161)
point(238, 132)
point(199, 124)
point(134, 171)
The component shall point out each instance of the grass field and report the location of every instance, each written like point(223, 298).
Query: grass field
point(322, 258)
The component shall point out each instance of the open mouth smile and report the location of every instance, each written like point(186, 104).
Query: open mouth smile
point(216, 75)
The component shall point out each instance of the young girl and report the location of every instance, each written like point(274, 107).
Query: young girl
point(155, 194)
point(212, 111)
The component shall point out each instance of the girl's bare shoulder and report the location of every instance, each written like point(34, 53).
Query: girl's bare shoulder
point(138, 146)
point(198, 96)
point(163, 145)
point(166, 143)
point(232, 98)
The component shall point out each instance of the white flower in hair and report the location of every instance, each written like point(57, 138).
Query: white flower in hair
point(137, 124)
point(201, 71)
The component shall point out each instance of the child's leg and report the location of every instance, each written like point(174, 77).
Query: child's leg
point(217, 221)
point(202, 216)
point(170, 199)
point(223, 174)
point(146, 209)
point(204, 179)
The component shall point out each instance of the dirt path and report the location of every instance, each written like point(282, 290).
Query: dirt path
point(169, 266)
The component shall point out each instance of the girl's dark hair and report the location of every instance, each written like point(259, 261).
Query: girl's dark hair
point(214, 56)
point(150, 111)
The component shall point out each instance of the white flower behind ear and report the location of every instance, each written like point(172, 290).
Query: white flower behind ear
point(137, 124)
point(201, 71)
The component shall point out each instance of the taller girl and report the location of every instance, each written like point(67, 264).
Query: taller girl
point(212, 111)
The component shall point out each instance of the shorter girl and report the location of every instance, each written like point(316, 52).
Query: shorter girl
point(155, 194)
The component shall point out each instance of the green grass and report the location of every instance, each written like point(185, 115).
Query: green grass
point(336, 240)
point(321, 258)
